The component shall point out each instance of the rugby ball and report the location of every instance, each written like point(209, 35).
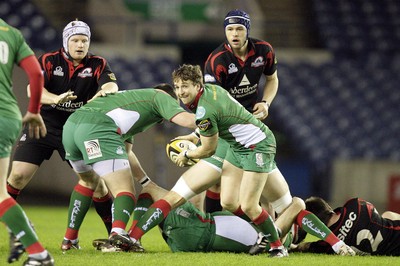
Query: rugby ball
point(174, 147)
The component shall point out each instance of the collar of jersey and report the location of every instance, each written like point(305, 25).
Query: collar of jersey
point(193, 105)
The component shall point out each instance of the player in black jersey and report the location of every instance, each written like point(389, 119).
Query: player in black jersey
point(359, 225)
point(238, 65)
point(72, 76)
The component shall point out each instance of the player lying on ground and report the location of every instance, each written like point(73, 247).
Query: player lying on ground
point(187, 229)
point(359, 225)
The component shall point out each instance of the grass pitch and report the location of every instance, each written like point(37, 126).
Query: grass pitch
point(50, 224)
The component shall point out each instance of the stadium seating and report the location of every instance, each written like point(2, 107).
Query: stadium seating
point(360, 26)
point(347, 108)
point(34, 26)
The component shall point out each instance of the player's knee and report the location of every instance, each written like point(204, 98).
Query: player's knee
point(17, 179)
point(298, 204)
point(101, 190)
point(282, 203)
point(229, 206)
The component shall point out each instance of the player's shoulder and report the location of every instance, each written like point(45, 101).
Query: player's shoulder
point(214, 92)
point(220, 52)
point(52, 54)
point(96, 58)
point(91, 56)
point(259, 44)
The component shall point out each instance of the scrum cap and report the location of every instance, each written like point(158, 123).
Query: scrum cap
point(75, 27)
point(238, 17)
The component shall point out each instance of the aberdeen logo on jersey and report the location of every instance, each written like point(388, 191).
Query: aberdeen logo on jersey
point(232, 68)
point(258, 62)
point(58, 71)
point(87, 72)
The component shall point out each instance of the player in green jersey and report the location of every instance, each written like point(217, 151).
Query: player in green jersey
point(94, 139)
point(250, 157)
point(15, 50)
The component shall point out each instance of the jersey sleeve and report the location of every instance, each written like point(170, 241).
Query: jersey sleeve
point(106, 74)
point(23, 48)
point(271, 62)
point(206, 119)
point(47, 68)
point(166, 106)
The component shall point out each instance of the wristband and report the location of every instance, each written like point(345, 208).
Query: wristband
point(264, 101)
point(144, 181)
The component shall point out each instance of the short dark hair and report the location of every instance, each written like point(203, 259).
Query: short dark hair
point(168, 88)
point(320, 208)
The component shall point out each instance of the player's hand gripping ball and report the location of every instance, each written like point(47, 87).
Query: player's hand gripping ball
point(174, 147)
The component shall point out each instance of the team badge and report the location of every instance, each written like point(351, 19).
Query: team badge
point(119, 150)
point(258, 62)
point(87, 72)
point(259, 160)
point(200, 112)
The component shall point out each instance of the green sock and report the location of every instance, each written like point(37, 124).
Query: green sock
point(314, 226)
point(124, 203)
point(142, 205)
point(79, 204)
point(266, 225)
point(152, 217)
point(16, 220)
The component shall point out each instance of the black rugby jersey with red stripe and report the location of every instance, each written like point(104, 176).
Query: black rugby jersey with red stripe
point(241, 78)
point(363, 228)
point(60, 76)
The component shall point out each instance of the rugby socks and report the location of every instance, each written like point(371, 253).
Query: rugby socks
point(14, 217)
point(154, 216)
point(103, 208)
point(143, 203)
point(79, 204)
point(12, 191)
point(267, 227)
point(239, 212)
point(124, 203)
point(310, 223)
point(212, 202)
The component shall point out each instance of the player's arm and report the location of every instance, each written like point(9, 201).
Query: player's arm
point(51, 98)
point(106, 88)
point(32, 117)
point(192, 137)
point(270, 90)
point(184, 119)
point(205, 150)
point(301, 247)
